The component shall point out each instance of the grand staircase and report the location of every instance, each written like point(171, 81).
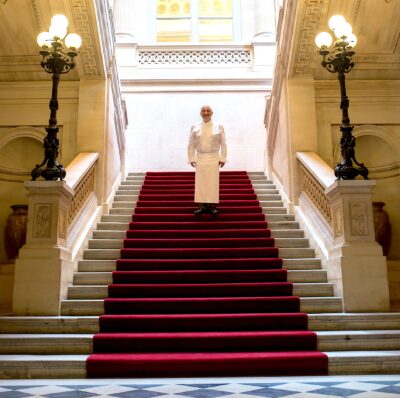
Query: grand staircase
point(58, 347)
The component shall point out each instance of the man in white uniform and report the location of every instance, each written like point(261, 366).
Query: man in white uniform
point(207, 153)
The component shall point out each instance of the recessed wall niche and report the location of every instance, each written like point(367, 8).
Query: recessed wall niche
point(378, 148)
point(21, 148)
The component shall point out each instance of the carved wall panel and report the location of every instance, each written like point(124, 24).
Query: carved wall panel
point(337, 221)
point(358, 218)
point(42, 216)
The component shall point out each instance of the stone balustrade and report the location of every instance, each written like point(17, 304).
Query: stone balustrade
point(60, 217)
point(338, 215)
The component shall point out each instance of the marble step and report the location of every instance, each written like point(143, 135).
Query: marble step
point(46, 344)
point(81, 292)
point(130, 211)
point(43, 366)
point(105, 278)
point(132, 204)
point(341, 322)
point(118, 243)
point(114, 254)
point(74, 366)
point(363, 362)
point(250, 173)
point(253, 178)
point(110, 265)
point(76, 307)
point(358, 340)
point(53, 344)
point(64, 344)
point(355, 321)
point(128, 218)
point(132, 186)
point(136, 190)
point(118, 226)
point(125, 197)
point(289, 233)
point(49, 324)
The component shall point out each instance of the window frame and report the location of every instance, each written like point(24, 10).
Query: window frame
point(194, 23)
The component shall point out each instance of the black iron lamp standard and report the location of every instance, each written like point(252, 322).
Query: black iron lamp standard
point(58, 53)
point(338, 60)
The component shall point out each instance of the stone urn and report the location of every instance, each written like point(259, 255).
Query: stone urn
point(383, 229)
point(15, 231)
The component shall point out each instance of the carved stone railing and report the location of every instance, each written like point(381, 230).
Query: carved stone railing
point(83, 190)
point(199, 56)
point(315, 191)
point(81, 174)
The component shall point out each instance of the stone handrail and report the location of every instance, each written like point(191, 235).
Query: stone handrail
point(315, 177)
point(81, 178)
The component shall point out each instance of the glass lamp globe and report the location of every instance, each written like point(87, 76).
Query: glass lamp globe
point(344, 30)
point(352, 40)
point(44, 39)
point(57, 31)
point(335, 21)
point(323, 39)
point(73, 40)
point(59, 20)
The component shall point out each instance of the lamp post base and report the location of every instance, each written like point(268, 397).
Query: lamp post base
point(349, 172)
point(54, 170)
point(345, 169)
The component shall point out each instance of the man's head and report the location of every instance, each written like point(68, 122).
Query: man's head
point(206, 113)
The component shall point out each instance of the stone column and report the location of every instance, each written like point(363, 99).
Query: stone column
point(264, 46)
point(265, 17)
point(356, 263)
point(126, 42)
point(123, 11)
point(44, 266)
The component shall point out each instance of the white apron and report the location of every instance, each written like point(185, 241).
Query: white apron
point(206, 142)
point(206, 189)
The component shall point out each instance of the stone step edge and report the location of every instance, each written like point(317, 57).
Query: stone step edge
point(96, 306)
point(316, 321)
point(74, 366)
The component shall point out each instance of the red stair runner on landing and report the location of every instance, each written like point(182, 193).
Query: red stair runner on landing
point(201, 296)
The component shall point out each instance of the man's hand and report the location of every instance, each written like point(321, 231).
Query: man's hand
point(193, 164)
point(221, 164)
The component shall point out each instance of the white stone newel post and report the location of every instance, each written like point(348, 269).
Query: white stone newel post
point(44, 268)
point(356, 264)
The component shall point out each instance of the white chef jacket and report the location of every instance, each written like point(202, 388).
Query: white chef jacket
point(207, 147)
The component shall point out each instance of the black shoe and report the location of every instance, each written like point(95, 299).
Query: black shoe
point(213, 211)
point(199, 212)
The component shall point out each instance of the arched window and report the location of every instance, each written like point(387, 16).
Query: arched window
point(196, 21)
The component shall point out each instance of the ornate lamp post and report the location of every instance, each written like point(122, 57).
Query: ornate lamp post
point(58, 53)
point(338, 60)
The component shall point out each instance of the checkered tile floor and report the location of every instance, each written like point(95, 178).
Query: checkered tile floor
point(295, 387)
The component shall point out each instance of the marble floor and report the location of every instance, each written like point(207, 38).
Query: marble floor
point(370, 386)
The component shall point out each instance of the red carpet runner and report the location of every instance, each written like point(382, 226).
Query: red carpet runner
point(201, 296)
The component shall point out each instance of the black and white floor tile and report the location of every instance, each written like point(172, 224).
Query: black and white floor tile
point(256, 387)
